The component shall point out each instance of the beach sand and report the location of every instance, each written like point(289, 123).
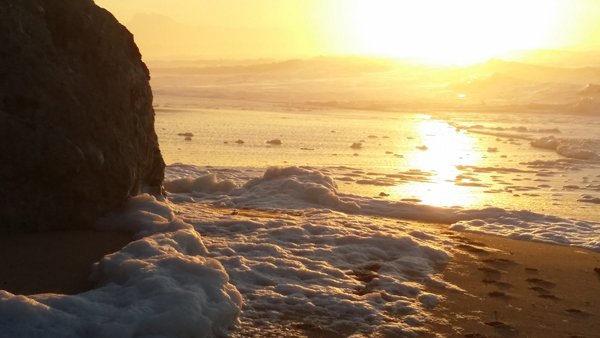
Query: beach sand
point(54, 262)
point(511, 288)
point(519, 289)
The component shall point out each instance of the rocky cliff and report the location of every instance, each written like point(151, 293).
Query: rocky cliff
point(76, 119)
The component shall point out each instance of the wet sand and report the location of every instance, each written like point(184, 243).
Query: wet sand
point(519, 289)
point(54, 262)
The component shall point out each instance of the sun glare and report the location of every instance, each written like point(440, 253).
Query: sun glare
point(444, 149)
point(449, 32)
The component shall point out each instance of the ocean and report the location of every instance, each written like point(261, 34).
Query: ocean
point(538, 162)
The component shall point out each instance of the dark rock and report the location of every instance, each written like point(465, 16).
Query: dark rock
point(76, 119)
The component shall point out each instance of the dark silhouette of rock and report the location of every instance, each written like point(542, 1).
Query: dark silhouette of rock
point(76, 119)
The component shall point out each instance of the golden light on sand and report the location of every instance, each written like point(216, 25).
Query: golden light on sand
point(443, 149)
point(457, 32)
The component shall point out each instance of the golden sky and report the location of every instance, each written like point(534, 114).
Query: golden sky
point(430, 31)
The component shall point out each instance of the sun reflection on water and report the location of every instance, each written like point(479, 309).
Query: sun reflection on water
point(442, 149)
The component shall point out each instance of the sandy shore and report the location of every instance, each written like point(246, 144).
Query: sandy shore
point(519, 289)
point(54, 262)
point(511, 288)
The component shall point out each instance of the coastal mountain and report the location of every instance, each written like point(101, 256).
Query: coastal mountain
point(382, 84)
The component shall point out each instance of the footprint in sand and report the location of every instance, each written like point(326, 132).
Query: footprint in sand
point(472, 249)
point(540, 290)
point(549, 296)
point(474, 335)
point(464, 240)
point(532, 271)
point(491, 273)
point(503, 328)
point(498, 284)
point(542, 287)
point(500, 263)
point(541, 282)
point(577, 312)
point(500, 295)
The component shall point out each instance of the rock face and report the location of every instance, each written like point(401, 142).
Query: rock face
point(76, 119)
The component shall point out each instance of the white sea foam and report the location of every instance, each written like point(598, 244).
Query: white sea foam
point(340, 262)
point(312, 258)
point(525, 225)
point(573, 148)
point(324, 269)
point(584, 148)
point(302, 188)
point(161, 285)
point(206, 183)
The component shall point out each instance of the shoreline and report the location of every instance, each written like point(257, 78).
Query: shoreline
point(242, 105)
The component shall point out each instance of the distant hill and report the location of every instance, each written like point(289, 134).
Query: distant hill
point(557, 58)
point(532, 72)
point(298, 67)
point(363, 82)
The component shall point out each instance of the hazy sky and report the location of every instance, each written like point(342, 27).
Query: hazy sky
point(441, 31)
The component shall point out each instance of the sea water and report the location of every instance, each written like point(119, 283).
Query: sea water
point(538, 162)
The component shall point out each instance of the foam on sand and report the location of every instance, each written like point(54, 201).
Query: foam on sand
point(303, 188)
point(305, 255)
point(206, 183)
point(324, 270)
point(162, 284)
point(296, 250)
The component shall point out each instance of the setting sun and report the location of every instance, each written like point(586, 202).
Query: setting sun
point(449, 32)
point(439, 32)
